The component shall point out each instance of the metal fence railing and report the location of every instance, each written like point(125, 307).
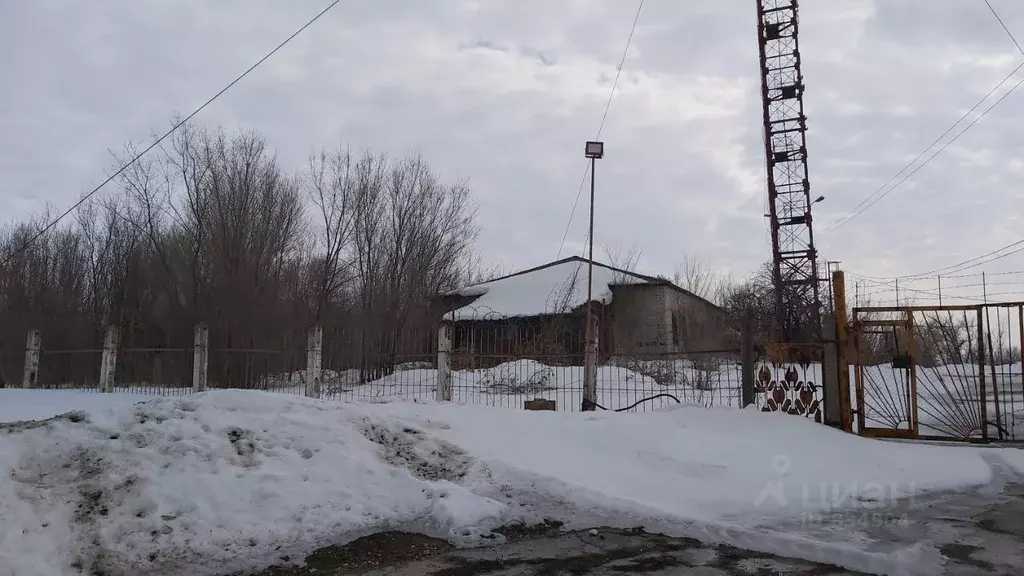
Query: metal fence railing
point(163, 371)
point(634, 383)
point(485, 364)
point(75, 369)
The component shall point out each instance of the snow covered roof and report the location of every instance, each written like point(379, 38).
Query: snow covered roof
point(550, 289)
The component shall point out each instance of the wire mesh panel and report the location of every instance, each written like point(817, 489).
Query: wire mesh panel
point(370, 363)
point(69, 369)
point(12, 362)
point(505, 361)
point(163, 371)
point(648, 382)
point(281, 371)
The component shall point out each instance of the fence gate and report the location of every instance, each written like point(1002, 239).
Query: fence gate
point(939, 372)
point(884, 377)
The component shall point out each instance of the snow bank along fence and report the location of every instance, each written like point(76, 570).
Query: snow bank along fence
point(939, 372)
point(491, 360)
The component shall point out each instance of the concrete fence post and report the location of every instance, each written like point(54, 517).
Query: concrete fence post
point(32, 345)
point(108, 362)
point(314, 361)
point(444, 363)
point(591, 346)
point(200, 357)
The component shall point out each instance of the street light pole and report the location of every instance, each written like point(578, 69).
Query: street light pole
point(594, 150)
point(590, 258)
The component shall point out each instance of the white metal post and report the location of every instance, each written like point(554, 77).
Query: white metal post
point(444, 363)
point(32, 346)
point(314, 361)
point(200, 357)
point(108, 363)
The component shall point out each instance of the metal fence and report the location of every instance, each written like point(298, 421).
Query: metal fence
point(634, 383)
point(69, 368)
point(498, 362)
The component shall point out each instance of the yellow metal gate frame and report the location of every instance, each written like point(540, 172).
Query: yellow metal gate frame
point(957, 389)
point(909, 398)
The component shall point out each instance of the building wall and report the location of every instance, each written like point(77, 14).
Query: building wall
point(653, 319)
point(698, 325)
point(640, 320)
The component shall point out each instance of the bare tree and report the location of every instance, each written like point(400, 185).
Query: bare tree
point(331, 186)
point(622, 258)
point(477, 273)
point(210, 228)
point(700, 278)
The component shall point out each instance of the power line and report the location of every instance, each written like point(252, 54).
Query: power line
point(156, 142)
point(979, 298)
point(604, 117)
point(887, 280)
point(972, 275)
point(1003, 24)
point(871, 200)
point(967, 264)
point(890, 289)
point(856, 211)
point(953, 269)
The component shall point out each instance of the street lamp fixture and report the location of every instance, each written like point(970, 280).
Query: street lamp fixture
point(595, 150)
point(818, 199)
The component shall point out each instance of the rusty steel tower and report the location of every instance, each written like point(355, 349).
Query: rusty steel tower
point(797, 303)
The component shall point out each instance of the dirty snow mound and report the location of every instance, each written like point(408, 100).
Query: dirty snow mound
point(425, 457)
point(217, 483)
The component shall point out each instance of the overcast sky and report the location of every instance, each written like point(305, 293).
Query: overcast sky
point(504, 93)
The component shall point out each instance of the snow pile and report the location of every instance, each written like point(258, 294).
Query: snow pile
point(19, 404)
point(228, 480)
point(522, 377)
point(696, 463)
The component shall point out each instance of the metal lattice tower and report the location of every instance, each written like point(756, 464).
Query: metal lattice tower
point(789, 193)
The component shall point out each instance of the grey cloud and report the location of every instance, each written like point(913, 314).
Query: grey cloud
point(684, 172)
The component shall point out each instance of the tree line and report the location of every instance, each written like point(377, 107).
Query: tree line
point(210, 228)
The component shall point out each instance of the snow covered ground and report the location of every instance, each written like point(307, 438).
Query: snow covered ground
point(224, 481)
point(512, 383)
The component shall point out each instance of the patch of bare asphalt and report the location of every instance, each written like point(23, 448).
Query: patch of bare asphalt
point(977, 532)
point(544, 550)
point(365, 554)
